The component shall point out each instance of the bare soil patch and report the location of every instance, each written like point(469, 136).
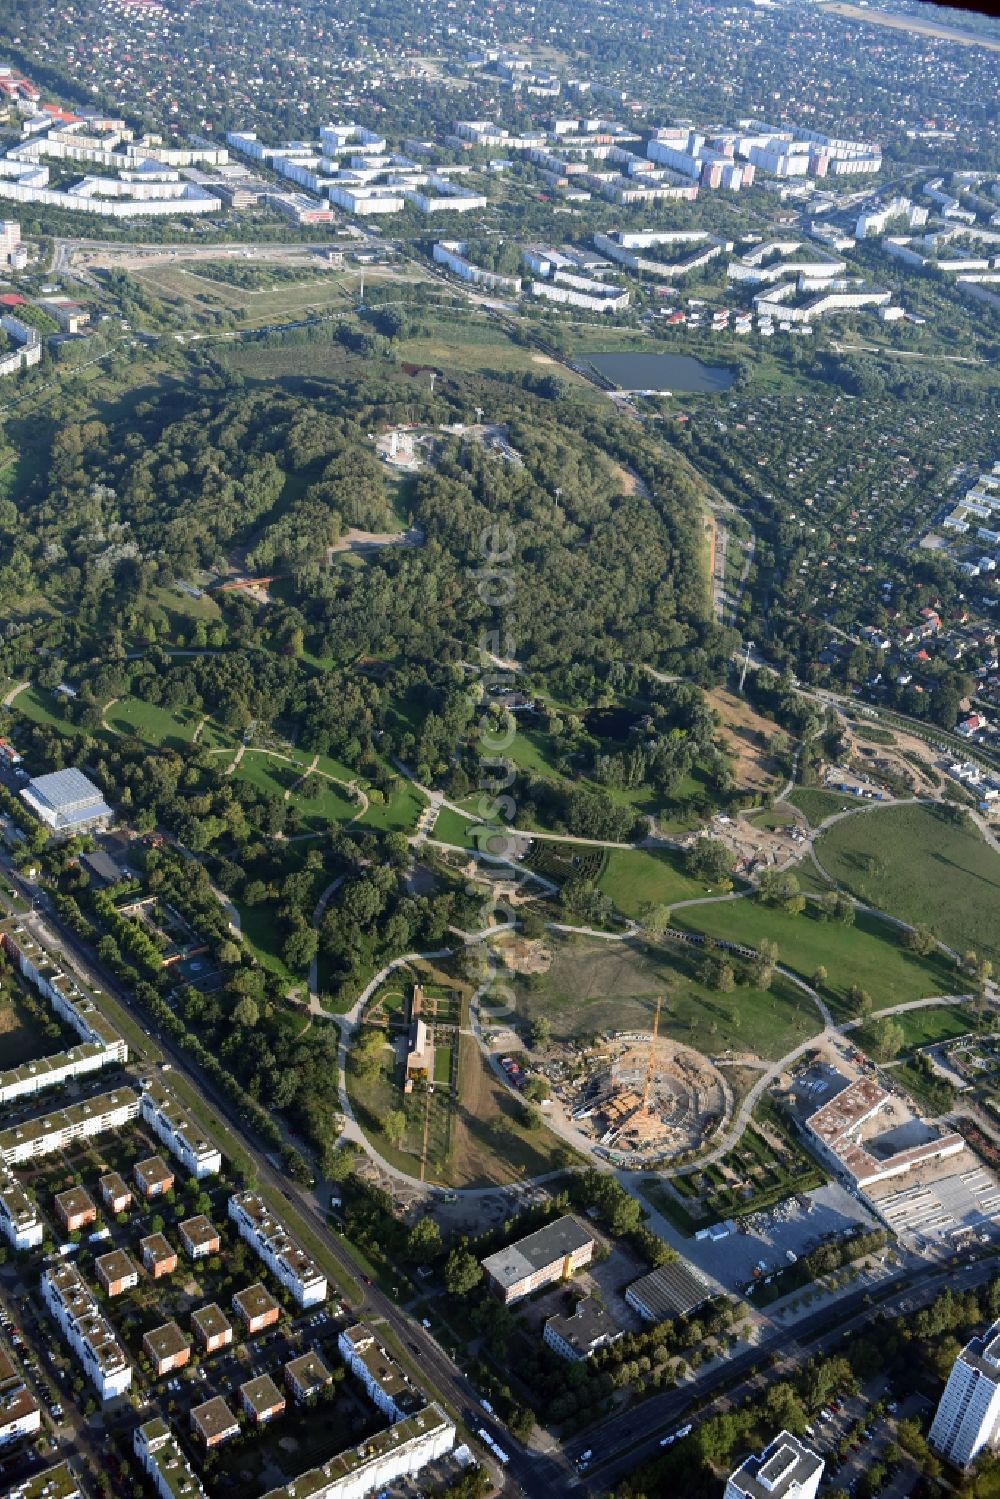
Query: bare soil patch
point(745, 735)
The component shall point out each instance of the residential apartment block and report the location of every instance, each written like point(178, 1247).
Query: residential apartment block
point(306, 1377)
point(78, 1121)
point(550, 1254)
point(19, 1220)
point(166, 1348)
point(61, 1481)
point(72, 1304)
point(212, 1327)
point(380, 1460)
point(200, 1237)
point(968, 1413)
point(786, 1469)
point(117, 1272)
point(115, 1193)
point(20, 1415)
point(387, 1386)
point(164, 1463)
point(154, 1177)
point(256, 1308)
point(159, 1256)
point(179, 1132)
point(295, 1269)
point(75, 1208)
point(262, 1400)
point(100, 1043)
point(213, 1422)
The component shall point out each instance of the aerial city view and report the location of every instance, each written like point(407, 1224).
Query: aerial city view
point(499, 749)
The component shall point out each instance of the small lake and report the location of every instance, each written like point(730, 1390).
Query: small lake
point(680, 373)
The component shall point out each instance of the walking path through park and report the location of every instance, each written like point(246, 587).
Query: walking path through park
point(12, 692)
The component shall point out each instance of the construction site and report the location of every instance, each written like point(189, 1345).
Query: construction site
point(646, 1098)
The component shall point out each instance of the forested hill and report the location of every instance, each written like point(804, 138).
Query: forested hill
point(263, 479)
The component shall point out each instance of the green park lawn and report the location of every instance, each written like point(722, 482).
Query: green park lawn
point(267, 774)
point(640, 877)
point(926, 1026)
point(597, 987)
point(868, 953)
point(324, 803)
point(41, 706)
point(158, 727)
point(399, 814)
point(816, 805)
point(916, 863)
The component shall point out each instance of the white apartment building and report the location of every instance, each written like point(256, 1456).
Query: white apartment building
point(178, 1131)
point(19, 1220)
point(380, 1460)
point(164, 1463)
point(100, 1043)
point(20, 1415)
point(786, 1469)
point(95, 1116)
point(968, 1413)
point(91, 1338)
point(385, 1382)
point(295, 1269)
point(624, 248)
point(593, 295)
point(451, 254)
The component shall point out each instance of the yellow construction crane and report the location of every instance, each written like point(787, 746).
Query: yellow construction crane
point(651, 1060)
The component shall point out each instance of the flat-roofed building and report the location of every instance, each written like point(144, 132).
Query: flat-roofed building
point(786, 1469)
point(212, 1327)
point(288, 1261)
point(256, 1308)
point(164, 1463)
point(262, 1400)
point(79, 1121)
point(116, 1194)
point(67, 803)
point(377, 1462)
point(159, 1256)
point(213, 1422)
point(166, 1348)
point(385, 1382)
point(19, 1220)
point(58, 1482)
point(306, 1377)
point(154, 1177)
point(968, 1414)
point(117, 1272)
point(673, 1290)
point(550, 1254)
point(200, 1237)
point(20, 1415)
point(72, 1304)
point(182, 1136)
point(588, 1327)
point(75, 1208)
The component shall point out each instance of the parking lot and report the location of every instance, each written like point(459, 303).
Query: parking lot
point(796, 1225)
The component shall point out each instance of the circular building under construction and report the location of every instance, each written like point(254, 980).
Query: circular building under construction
point(648, 1097)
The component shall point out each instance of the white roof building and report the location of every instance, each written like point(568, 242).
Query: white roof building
point(67, 802)
point(786, 1469)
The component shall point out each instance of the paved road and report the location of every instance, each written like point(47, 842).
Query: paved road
point(624, 1441)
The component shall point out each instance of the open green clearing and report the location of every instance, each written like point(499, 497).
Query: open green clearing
point(160, 728)
point(917, 863)
point(41, 706)
point(598, 987)
point(868, 953)
point(816, 805)
point(323, 802)
point(925, 1027)
point(399, 814)
point(636, 878)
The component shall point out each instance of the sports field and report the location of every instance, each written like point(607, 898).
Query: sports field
point(917, 863)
